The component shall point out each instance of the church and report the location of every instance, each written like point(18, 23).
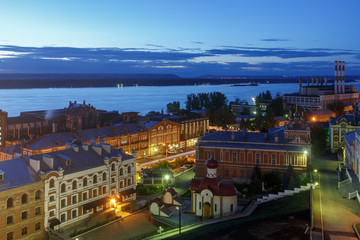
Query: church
point(210, 197)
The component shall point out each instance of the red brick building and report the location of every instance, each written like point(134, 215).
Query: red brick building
point(239, 152)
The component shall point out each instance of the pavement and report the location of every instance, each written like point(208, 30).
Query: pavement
point(333, 214)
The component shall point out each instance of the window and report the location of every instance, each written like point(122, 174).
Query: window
point(37, 226)
point(9, 220)
point(10, 203)
point(129, 169)
point(103, 189)
point(52, 183)
point(73, 214)
point(52, 213)
point(215, 207)
point(37, 195)
point(104, 176)
point(273, 159)
point(37, 211)
point(113, 167)
point(84, 196)
point(112, 180)
point(121, 184)
point(74, 185)
point(23, 231)
point(129, 181)
point(63, 203)
point(121, 171)
point(258, 158)
point(231, 207)
point(24, 198)
point(24, 215)
point(94, 192)
point(226, 173)
point(63, 188)
point(10, 236)
point(94, 179)
point(62, 217)
point(85, 182)
point(52, 198)
point(74, 199)
point(234, 158)
point(199, 205)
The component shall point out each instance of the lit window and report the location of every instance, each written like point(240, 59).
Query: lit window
point(258, 158)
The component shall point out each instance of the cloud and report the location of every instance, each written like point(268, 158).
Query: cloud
point(274, 40)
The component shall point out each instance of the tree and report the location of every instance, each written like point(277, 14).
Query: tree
point(162, 164)
point(318, 139)
point(257, 179)
point(173, 107)
point(291, 179)
point(273, 181)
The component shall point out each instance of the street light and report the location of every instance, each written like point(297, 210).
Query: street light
point(179, 209)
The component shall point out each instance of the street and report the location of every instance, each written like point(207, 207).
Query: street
point(333, 214)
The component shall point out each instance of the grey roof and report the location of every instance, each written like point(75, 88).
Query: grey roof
point(349, 137)
point(17, 173)
point(354, 120)
point(80, 160)
point(61, 139)
point(148, 124)
point(254, 140)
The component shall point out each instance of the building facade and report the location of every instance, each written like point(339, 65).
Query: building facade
point(339, 127)
point(240, 152)
point(3, 128)
point(83, 180)
point(21, 202)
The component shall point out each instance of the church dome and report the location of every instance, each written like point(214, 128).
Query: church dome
point(211, 163)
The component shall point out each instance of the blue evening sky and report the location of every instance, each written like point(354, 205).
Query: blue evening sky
point(188, 38)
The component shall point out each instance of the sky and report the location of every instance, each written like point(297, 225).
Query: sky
point(187, 38)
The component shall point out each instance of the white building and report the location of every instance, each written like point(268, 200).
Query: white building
point(210, 197)
point(84, 179)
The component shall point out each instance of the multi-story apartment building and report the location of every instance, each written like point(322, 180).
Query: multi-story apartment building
point(239, 152)
point(82, 180)
point(81, 116)
point(339, 127)
point(3, 128)
point(21, 201)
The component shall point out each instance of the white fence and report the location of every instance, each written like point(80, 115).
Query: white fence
point(271, 197)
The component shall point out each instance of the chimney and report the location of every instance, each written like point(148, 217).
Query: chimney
point(75, 148)
point(49, 160)
point(85, 147)
point(133, 153)
point(300, 83)
point(343, 75)
point(97, 149)
point(308, 81)
point(233, 136)
point(336, 76)
point(325, 81)
point(321, 80)
point(317, 81)
point(276, 139)
point(35, 164)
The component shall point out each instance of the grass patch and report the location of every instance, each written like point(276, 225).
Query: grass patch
point(304, 181)
point(357, 226)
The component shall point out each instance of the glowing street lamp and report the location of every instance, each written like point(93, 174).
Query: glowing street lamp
point(166, 177)
point(112, 202)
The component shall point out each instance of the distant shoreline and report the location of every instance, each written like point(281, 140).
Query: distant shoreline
point(22, 81)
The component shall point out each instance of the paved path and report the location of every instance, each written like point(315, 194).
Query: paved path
point(131, 227)
point(332, 213)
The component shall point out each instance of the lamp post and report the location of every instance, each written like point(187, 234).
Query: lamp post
point(179, 209)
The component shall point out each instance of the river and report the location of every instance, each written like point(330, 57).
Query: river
point(140, 99)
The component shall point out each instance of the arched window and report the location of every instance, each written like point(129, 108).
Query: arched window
point(129, 181)
point(84, 182)
point(94, 179)
point(129, 169)
point(121, 171)
point(74, 185)
point(104, 176)
point(63, 188)
point(10, 203)
point(24, 198)
point(113, 167)
point(37, 195)
point(52, 183)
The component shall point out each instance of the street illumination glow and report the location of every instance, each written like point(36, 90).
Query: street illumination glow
point(112, 201)
point(305, 152)
point(254, 112)
point(166, 177)
point(316, 183)
point(313, 118)
point(315, 170)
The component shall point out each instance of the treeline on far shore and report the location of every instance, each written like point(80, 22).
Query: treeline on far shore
point(9, 81)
